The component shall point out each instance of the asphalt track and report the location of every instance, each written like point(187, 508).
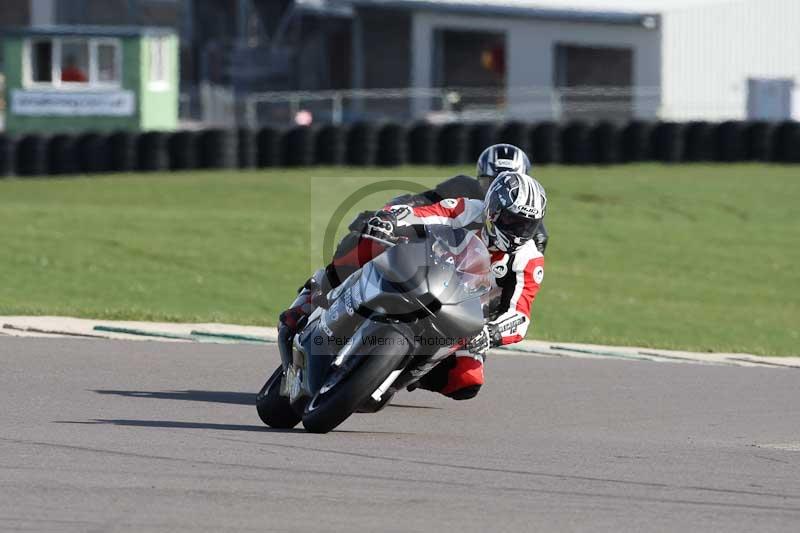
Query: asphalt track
point(99, 435)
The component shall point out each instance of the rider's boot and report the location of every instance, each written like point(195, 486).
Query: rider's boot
point(459, 377)
point(309, 297)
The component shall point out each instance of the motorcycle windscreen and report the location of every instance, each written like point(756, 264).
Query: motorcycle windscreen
point(452, 265)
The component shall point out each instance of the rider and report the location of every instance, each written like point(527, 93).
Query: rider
point(492, 162)
point(507, 221)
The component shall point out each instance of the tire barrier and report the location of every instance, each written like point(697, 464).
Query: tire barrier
point(62, 155)
point(635, 139)
point(787, 142)
point(93, 153)
point(182, 147)
point(700, 143)
point(247, 148)
point(730, 142)
point(362, 144)
point(392, 145)
point(422, 146)
point(124, 151)
point(575, 141)
point(605, 143)
point(269, 142)
point(32, 156)
point(546, 144)
point(480, 137)
point(760, 141)
point(453, 147)
point(300, 149)
point(332, 145)
point(7, 155)
point(218, 149)
point(516, 133)
point(668, 142)
point(153, 155)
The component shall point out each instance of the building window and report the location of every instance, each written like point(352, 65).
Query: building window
point(108, 63)
point(159, 63)
point(73, 63)
point(42, 62)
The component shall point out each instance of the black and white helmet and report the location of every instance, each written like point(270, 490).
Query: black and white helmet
point(502, 158)
point(515, 205)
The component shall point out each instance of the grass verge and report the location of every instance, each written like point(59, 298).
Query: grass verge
point(699, 257)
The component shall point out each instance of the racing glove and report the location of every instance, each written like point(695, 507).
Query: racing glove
point(489, 337)
point(382, 226)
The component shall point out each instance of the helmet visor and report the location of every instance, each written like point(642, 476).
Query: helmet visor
point(516, 225)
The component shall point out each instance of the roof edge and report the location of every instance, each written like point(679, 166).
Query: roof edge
point(95, 31)
point(645, 19)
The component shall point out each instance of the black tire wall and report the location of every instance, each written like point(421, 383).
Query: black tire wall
point(269, 142)
point(93, 153)
point(153, 155)
point(300, 147)
point(124, 151)
point(183, 150)
point(8, 147)
point(362, 144)
point(219, 149)
point(62, 154)
point(453, 144)
point(700, 142)
point(546, 144)
point(32, 155)
point(605, 143)
point(332, 145)
point(422, 145)
point(392, 145)
point(635, 142)
point(668, 142)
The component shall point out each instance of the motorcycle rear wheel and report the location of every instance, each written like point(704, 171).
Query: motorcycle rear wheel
point(274, 409)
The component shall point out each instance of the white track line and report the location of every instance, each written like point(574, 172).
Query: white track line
point(65, 327)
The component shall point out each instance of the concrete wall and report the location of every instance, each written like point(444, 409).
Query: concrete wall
point(385, 47)
point(14, 13)
point(710, 52)
point(530, 51)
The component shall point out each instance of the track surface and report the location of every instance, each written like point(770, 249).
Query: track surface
point(102, 435)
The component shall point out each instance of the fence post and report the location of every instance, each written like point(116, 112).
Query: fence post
point(336, 108)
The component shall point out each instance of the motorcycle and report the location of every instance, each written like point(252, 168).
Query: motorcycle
point(380, 331)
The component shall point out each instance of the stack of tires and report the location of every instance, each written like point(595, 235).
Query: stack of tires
point(394, 144)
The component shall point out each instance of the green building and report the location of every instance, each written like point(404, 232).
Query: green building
point(75, 78)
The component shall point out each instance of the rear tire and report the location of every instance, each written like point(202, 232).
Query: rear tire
point(274, 409)
point(327, 410)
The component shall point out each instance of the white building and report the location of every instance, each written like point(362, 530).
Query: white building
point(674, 59)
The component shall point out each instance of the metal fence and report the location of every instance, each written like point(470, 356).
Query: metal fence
point(451, 104)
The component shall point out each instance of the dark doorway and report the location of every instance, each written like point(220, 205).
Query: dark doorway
point(595, 82)
point(465, 59)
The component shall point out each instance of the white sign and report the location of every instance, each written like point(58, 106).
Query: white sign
point(73, 104)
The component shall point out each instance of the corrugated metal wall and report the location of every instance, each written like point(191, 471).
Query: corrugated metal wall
point(710, 52)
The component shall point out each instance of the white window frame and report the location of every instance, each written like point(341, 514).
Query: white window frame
point(55, 64)
point(159, 85)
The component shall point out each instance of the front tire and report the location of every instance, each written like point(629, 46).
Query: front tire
point(274, 409)
point(327, 410)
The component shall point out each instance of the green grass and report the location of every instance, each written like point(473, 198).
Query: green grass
point(692, 257)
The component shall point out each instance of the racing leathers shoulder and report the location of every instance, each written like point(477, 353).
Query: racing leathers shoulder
point(518, 276)
point(460, 186)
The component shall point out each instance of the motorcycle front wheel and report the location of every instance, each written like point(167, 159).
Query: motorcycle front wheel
point(330, 408)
